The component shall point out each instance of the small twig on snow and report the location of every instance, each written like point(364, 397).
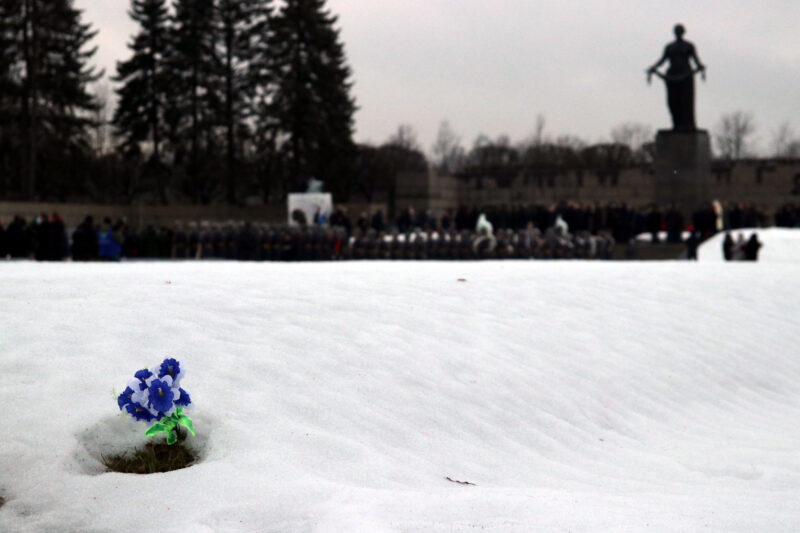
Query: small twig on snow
point(451, 480)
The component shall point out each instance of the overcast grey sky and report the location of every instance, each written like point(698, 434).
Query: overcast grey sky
point(492, 66)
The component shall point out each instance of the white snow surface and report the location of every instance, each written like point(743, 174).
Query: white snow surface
point(779, 245)
point(331, 397)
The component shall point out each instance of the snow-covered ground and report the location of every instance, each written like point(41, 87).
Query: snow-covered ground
point(779, 245)
point(575, 396)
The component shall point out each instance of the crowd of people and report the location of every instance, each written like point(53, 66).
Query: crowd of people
point(740, 249)
point(787, 216)
point(561, 231)
point(623, 222)
point(46, 239)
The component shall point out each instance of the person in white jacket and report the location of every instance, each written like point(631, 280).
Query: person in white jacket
point(485, 232)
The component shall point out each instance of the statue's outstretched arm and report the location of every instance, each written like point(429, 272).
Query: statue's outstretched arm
point(653, 70)
point(701, 68)
point(658, 63)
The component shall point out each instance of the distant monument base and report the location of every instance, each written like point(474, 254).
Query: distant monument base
point(682, 169)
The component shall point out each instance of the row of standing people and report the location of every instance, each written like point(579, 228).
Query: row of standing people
point(529, 243)
point(619, 219)
point(270, 243)
point(45, 238)
point(788, 216)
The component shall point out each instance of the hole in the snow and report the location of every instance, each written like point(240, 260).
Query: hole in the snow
point(115, 444)
point(153, 458)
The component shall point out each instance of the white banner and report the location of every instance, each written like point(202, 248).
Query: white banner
point(309, 208)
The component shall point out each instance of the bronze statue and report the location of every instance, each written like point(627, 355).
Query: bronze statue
point(679, 78)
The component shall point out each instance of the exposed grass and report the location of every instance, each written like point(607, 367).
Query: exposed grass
point(2, 501)
point(154, 457)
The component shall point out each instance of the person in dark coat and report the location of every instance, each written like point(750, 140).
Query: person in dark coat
point(727, 247)
point(40, 230)
point(57, 239)
point(691, 246)
point(674, 221)
point(165, 236)
point(654, 224)
point(150, 242)
point(18, 238)
point(246, 243)
point(84, 241)
point(362, 223)
point(377, 221)
point(218, 241)
point(445, 221)
point(751, 248)
point(229, 235)
point(179, 242)
point(3, 248)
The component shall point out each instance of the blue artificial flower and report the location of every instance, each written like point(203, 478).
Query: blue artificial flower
point(143, 374)
point(138, 412)
point(124, 398)
point(170, 367)
point(137, 385)
point(184, 399)
point(160, 397)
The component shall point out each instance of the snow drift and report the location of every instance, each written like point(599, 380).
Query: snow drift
point(574, 396)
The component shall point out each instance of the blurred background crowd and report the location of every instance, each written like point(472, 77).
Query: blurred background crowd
point(562, 231)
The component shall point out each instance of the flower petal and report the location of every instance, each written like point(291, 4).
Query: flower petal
point(160, 397)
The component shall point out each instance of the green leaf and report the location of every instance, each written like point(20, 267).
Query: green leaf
point(186, 422)
point(157, 428)
point(172, 438)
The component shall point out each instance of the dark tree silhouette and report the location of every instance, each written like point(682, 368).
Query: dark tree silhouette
point(144, 79)
point(242, 26)
point(196, 97)
point(312, 105)
point(44, 67)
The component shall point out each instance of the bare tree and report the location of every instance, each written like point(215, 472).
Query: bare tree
point(537, 138)
point(538, 132)
point(785, 143)
point(448, 154)
point(733, 134)
point(485, 152)
point(570, 141)
point(635, 136)
point(481, 141)
point(503, 140)
point(405, 137)
point(793, 149)
point(632, 134)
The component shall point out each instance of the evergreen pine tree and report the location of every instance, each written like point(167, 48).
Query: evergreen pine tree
point(311, 104)
point(139, 116)
point(196, 96)
point(9, 97)
point(46, 63)
point(241, 24)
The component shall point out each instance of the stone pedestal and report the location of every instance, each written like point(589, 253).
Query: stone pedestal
point(682, 169)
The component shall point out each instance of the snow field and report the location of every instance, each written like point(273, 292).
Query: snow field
point(576, 396)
